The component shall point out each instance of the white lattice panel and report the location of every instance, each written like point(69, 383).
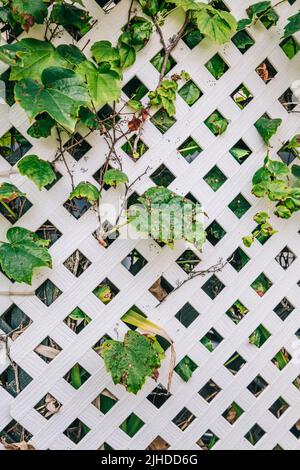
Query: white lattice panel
point(133, 290)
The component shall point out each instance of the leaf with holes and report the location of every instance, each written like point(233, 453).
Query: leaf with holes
point(130, 362)
point(29, 57)
point(23, 253)
point(61, 95)
point(28, 12)
point(37, 170)
point(87, 191)
point(102, 82)
point(114, 177)
point(267, 128)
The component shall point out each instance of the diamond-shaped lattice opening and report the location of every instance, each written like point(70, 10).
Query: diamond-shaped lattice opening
point(261, 285)
point(217, 66)
point(189, 150)
point(77, 263)
point(107, 116)
point(284, 309)
point(77, 207)
point(295, 430)
point(135, 89)
point(158, 60)
point(9, 86)
point(239, 206)
point(279, 407)
point(281, 359)
point(213, 287)
point(48, 231)
point(207, 440)
point(183, 419)
point(14, 319)
point(238, 259)
point(266, 71)
point(243, 41)
point(134, 262)
point(255, 434)
point(211, 340)
point(106, 291)
point(48, 406)
point(290, 47)
point(48, 349)
point(162, 121)
point(289, 151)
point(233, 413)
point(187, 314)
point(296, 382)
point(161, 288)
point(76, 431)
point(190, 92)
point(162, 176)
point(77, 146)
point(192, 36)
point(287, 100)
point(105, 445)
point(209, 391)
point(14, 433)
point(132, 425)
point(105, 401)
point(257, 386)
point(215, 178)
point(185, 368)
point(237, 312)
point(262, 239)
point(216, 123)
point(259, 336)
point(240, 151)
point(14, 380)
point(109, 239)
point(215, 233)
point(15, 209)
point(235, 363)
point(77, 320)
point(219, 5)
point(285, 258)
point(188, 261)
point(135, 147)
point(242, 96)
point(158, 444)
point(48, 292)
point(13, 146)
point(159, 396)
point(135, 309)
point(77, 376)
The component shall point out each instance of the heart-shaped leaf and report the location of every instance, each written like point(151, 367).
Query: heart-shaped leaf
point(267, 128)
point(87, 191)
point(113, 177)
point(37, 170)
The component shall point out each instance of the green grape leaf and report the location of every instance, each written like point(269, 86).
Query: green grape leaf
point(114, 177)
point(102, 51)
point(150, 7)
point(190, 93)
point(293, 25)
point(24, 252)
point(68, 15)
point(216, 123)
point(61, 94)
point(267, 128)
point(37, 170)
point(103, 83)
point(261, 176)
point(167, 217)
point(256, 10)
point(277, 168)
point(87, 191)
point(42, 127)
point(130, 362)
point(140, 30)
point(28, 12)
point(218, 25)
point(127, 56)
point(29, 57)
point(71, 54)
point(242, 24)
point(9, 192)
